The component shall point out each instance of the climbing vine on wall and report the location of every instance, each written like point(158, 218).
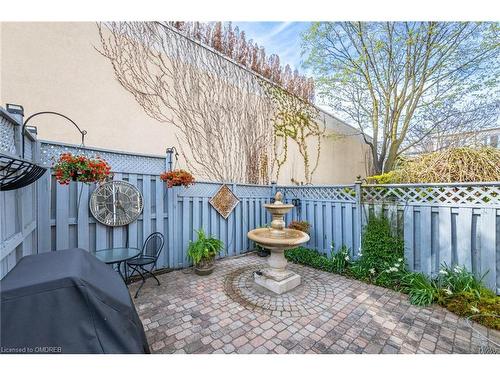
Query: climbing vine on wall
point(297, 120)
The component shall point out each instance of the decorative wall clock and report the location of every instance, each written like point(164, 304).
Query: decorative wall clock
point(116, 203)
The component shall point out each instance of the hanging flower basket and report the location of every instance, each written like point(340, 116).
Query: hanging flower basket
point(178, 177)
point(80, 168)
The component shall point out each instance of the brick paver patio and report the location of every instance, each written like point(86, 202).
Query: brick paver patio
point(227, 313)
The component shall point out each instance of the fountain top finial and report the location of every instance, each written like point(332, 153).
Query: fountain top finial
point(278, 198)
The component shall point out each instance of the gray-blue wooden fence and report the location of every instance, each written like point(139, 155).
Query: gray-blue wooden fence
point(453, 224)
point(18, 221)
point(441, 223)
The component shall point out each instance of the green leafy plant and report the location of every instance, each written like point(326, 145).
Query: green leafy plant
point(341, 259)
point(381, 260)
point(457, 280)
point(204, 250)
point(303, 225)
point(310, 257)
point(421, 290)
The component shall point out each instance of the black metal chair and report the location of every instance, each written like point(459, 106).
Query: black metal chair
point(148, 257)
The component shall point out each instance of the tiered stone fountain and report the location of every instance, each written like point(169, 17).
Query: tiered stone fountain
point(277, 239)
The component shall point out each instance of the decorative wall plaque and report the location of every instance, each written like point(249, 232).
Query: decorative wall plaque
point(224, 201)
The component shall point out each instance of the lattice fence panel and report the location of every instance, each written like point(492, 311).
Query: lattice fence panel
point(208, 189)
point(120, 162)
point(251, 191)
point(339, 193)
point(200, 189)
point(453, 194)
point(7, 140)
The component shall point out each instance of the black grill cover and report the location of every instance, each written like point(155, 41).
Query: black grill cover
point(67, 302)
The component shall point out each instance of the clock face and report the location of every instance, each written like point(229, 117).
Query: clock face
point(116, 203)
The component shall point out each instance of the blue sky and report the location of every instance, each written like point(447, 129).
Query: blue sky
point(281, 38)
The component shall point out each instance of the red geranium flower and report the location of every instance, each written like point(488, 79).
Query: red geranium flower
point(178, 177)
point(80, 168)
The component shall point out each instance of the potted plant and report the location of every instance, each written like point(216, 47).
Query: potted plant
point(203, 252)
point(262, 252)
point(178, 177)
point(80, 168)
point(303, 226)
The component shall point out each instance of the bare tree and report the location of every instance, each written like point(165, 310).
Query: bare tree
point(219, 108)
point(402, 81)
point(456, 128)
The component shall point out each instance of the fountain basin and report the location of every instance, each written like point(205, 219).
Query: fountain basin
point(276, 277)
point(278, 240)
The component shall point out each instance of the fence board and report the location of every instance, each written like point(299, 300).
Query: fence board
point(62, 219)
point(464, 241)
point(338, 226)
point(83, 216)
point(310, 219)
point(43, 213)
point(237, 228)
point(329, 227)
point(488, 256)
point(409, 239)
point(146, 212)
point(245, 226)
point(186, 236)
point(132, 227)
point(223, 232)
point(348, 237)
point(118, 231)
point(318, 221)
point(425, 240)
point(231, 233)
point(444, 232)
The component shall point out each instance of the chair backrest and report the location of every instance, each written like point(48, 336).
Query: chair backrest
point(153, 245)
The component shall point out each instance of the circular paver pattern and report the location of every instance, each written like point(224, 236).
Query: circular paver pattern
point(312, 296)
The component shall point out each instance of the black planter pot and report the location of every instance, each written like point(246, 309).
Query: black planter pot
point(204, 267)
point(263, 252)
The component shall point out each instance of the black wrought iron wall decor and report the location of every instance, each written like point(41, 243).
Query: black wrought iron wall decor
point(83, 133)
point(17, 173)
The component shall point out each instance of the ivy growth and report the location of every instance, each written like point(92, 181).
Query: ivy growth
point(297, 120)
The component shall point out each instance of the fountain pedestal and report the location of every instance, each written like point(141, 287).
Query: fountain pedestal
point(277, 239)
point(277, 278)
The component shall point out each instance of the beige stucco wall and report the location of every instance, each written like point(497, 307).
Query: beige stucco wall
point(55, 66)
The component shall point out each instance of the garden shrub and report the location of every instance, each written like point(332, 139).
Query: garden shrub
point(310, 257)
point(337, 263)
point(381, 260)
point(454, 164)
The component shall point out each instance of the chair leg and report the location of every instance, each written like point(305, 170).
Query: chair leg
point(142, 284)
point(132, 273)
point(152, 274)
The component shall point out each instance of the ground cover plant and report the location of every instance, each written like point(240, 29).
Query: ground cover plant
point(381, 262)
